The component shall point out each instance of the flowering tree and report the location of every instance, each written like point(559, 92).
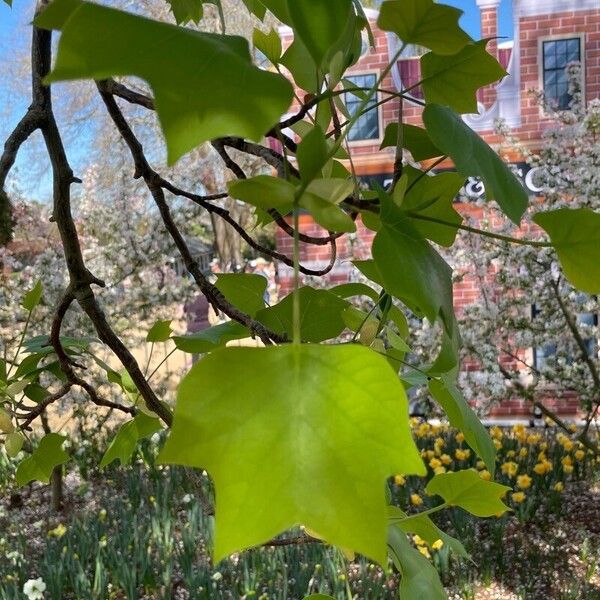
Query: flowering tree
point(312, 424)
point(532, 334)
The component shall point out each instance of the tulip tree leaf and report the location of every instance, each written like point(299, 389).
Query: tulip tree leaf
point(212, 338)
point(469, 491)
point(265, 192)
point(419, 577)
point(185, 11)
point(454, 80)
point(411, 269)
point(159, 332)
point(473, 157)
point(33, 297)
point(320, 315)
point(256, 7)
point(245, 291)
point(39, 466)
point(462, 416)
point(197, 96)
point(301, 426)
point(268, 43)
point(123, 445)
point(424, 23)
point(415, 139)
point(575, 235)
point(320, 24)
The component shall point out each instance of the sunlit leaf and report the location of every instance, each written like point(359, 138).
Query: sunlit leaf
point(185, 11)
point(301, 426)
point(159, 332)
point(424, 23)
point(245, 291)
point(39, 466)
point(268, 43)
point(211, 338)
point(470, 492)
point(180, 66)
point(415, 139)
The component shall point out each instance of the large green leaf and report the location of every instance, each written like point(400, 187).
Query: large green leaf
point(326, 214)
point(264, 191)
point(320, 24)
point(425, 528)
point(462, 416)
point(39, 466)
point(33, 297)
point(411, 269)
point(433, 197)
point(472, 156)
point(454, 80)
point(268, 43)
point(469, 491)
point(320, 315)
point(245, 291)
point(123, 445)
point(197, 96)
point(300, 64)
point(212, 338)
point(294, 435)
point(420, 579)
point(415, 139)
point(575, 234)
point(424, 23)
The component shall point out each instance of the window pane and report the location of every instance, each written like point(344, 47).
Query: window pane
point(367, 125)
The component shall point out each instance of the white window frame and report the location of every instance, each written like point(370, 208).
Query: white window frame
point(379, 109)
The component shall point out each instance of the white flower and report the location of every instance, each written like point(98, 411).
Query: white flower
point(187, 498)
point(34, 589)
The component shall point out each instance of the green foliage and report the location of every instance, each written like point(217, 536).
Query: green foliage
point(268, 43)
point(124, 443)
point(454, 80)
point(244, 290)
point(185, 11)
point(212, 338)
point(424, 23)
point(473, 157)
point(96, 43)
point(462, 416)
point(575, 235)
point(33, 297)
point(271, 436)
point(45, 457)
point(415, 139)
point(159, 332)
point(470, 492)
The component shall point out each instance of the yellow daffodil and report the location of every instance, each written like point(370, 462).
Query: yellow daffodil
point(446, 460)
point(497, 444)
point(434, 463)
point(559, 487)
point(511, 454)
point(439, 470)
point(579, 454)
point(399, 480)
point(496, 432)
point(566, 461)
point(437, 545)
point(518, 497)
point(459, 437)
point(485, 474)
point(418, 540)
point(58, 531)
point(416, 500)
point(461, 454)
point(568, 469)
point(480, 464)
point(543, 467)
point(524, 481)
point(533, 438)
point(509, 468)
point(523, 452)
point(423, 550)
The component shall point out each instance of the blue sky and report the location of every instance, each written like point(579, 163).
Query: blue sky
point(14, 37)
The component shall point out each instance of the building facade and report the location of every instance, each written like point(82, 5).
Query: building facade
point(548, 35)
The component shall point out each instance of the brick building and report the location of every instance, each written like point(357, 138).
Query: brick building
point(548, 34)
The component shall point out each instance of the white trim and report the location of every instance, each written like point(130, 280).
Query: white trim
point(483, 4)
point(540, 56)
point(528, 8)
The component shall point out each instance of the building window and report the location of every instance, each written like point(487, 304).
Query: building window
point(556, 55)
point(367, 125)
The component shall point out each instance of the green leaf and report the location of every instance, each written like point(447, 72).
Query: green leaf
point(419, 578)
point(411, 269)
point(212, 338)
point(424, 23)
point(347, 290)
point(319, 597)
point(320, 24)
point(334, 189)
point(256, 7)
point(185, 11)
point(279, 9)
point(268, 43)
point(320, 315)
point(462, 416)
point(3, 371)
point(301, 425)
point(159, 332)
point(265, 192)
point(433, 197)
point(312, 154)
point(326, 214)
point(123, 445)
point(469, 491)
point(245, 291)
point(472, 156)
point(575, 235)
point(41, 344)
point(35, 392)
point(415, 139)
point(96, 43)
point(28, 365)
point(14, 443)
point(33, 297)
point(454, 80)
point(39, 466)
point(425, 528)
point(299, 63)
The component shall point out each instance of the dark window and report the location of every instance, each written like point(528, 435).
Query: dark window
point(557, 54)
point(367, 125)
